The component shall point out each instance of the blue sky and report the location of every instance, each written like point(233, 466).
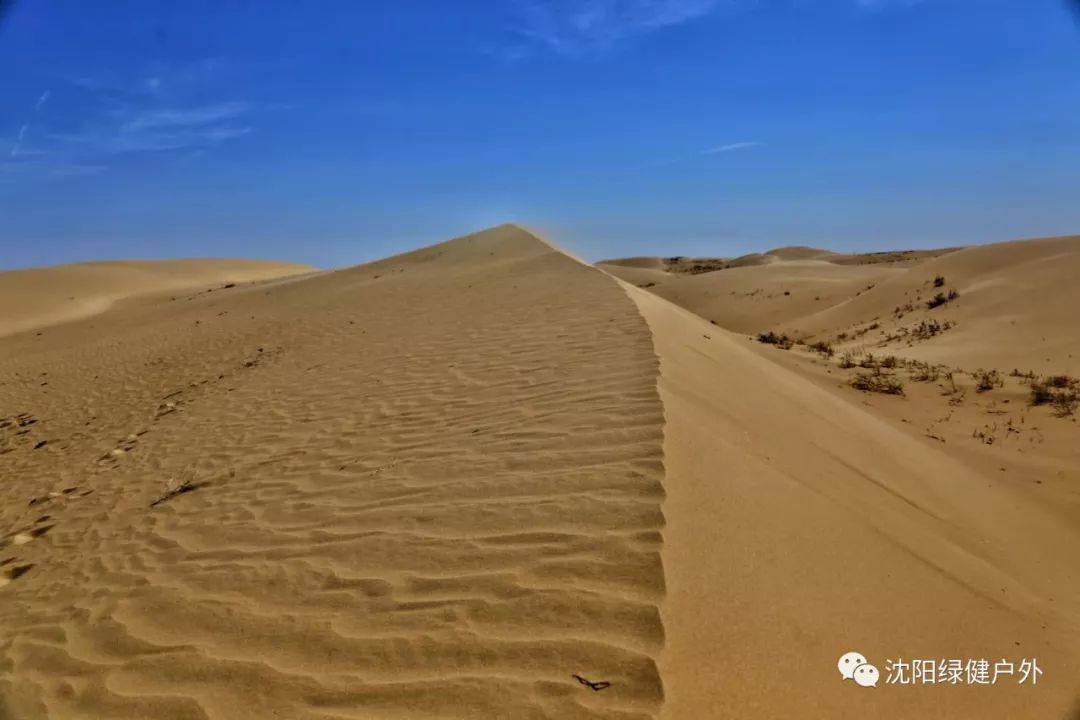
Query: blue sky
point(337, 132)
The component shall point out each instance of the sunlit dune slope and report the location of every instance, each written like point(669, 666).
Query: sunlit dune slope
point(485, 480)
point(45, 296)
point(1016, 308)
point(1012, 304)
point(752, 298)
point(428, 487)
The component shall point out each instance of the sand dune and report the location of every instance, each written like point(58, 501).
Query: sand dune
point(801, 526)
point(474, 480)
point(750, 299)
point(1013, 309)
point(40, 297)
point(426, 487)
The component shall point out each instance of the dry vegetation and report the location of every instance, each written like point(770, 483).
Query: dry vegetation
point(780, 340)
point(878, 382)
point(1060, 392)
point(175, 486)
point(941, 299)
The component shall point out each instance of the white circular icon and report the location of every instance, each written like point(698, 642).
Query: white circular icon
point(848, 662)
point(853, 666)
point(866, 675)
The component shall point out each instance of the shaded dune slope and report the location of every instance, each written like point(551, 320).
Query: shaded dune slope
point(425, 487)
point(800, 526)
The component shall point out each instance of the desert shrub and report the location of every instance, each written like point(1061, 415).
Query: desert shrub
point(936, 301)
point(1065, 403)
point(925, 372)
point(869, 362)
point(987, 380)
point(927, 329)
point(1059, 391)
point(781, 341)
point(824, 348)
point(939, 281)
point(878, 382)
point(1041, 394)
point(890, 362)
point(847, 361)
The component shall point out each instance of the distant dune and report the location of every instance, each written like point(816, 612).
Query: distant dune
point(486, 480)
point(682, 265)
point(1013, 307)
point(45, 296)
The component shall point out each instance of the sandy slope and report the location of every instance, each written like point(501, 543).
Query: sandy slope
point(39, 297)
point(801, 526)
point(1016, 307)
point(1015, 310)
point(426, 487)
point(748, 299)
point(436, 487)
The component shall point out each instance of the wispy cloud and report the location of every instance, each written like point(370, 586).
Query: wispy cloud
point(19, 139)
point(129, 129)
point(730, 147)
point(576, 27)
point(110, 120)
point(184, 117)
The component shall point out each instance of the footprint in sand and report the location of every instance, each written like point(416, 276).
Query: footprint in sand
point(125, 446)
point(9, 576)
point(66, 492)
point(26, 536)
point(19, 539)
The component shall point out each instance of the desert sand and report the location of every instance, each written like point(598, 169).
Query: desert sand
point(487, 480)
point(37, 297)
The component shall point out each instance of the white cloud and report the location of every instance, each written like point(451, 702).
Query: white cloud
point(730, 147)
point(149, 112)
point(575, 27)
point(183, 117)
point(17, 146)
point(136, 128)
